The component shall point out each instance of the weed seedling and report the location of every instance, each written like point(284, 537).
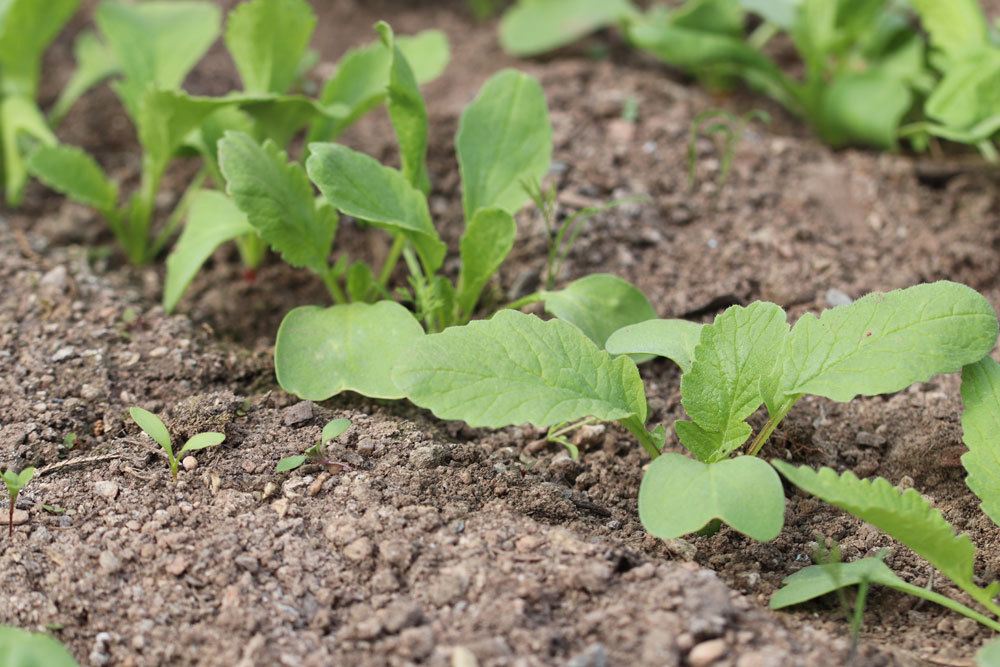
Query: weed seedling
point(727, 130)
point(153, 427)
point(317, 453)
point(15, 482)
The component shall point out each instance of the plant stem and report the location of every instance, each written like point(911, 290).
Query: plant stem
point(983, 597)
point(389, 265)
point(177, 215)
point(534, 297)
point(333, 287)
point(858, 618)
point(569, 428)
point(762, 35)
point(638, 429)
point(772, 423)
point(10, 521)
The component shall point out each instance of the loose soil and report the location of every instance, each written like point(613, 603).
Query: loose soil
point(433, 543)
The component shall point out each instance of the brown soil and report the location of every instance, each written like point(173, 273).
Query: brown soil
point(430, 542)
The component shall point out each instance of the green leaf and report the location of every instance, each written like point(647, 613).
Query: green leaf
point(957, 28)
point(202, 441)
point(674, 339)
point(818, 580)
point(864, 108)
point(278, 200)
point(322, 352)
point(408, 114)
point(980, 428)
point(267, 40)
point(734, 354)
point(679, 495)
point(153, 427)
point(779, 12)
point(19, 119)
point(95, 62)
point(486, 242)
point(516, 369)
point(213, 219)
point(969, 92)
point(27, 27)
point(156, 42)
point(290, 463)
point(885, 342)
point(532, 27)
point(362, 76)
point(504, 140)
point(19, 648)
point(599, 305)
point(73, 173)
point(165, 118)
point(989, 654)
point(359, 186)
point(334, 429)
point(361, 283)
point(17, 481)
point(904, 516)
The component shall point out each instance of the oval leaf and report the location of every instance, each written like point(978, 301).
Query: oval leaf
point(290, 463)
point(334, 429)
point(517, 369)
point(488, 239)
point(504, 141)
point(202, 441)
point(321, 352)
point(884, 342)
point(679, 495)
point(152, 425)
point(19, 648)
point(599, 305)
point(674, 339)
point(532, 26)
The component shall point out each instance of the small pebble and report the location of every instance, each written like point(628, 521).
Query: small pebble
point(189, 462)
point(177, 566)
point(106, 489)
point(20, 517)
point(705, 653)
point(298, 413)
point(835, 297)
point(109, 562)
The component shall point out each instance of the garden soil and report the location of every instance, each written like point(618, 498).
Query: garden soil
point(431, 543)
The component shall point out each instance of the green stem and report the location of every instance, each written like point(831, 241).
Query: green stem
point(762, 35)
point(937, 598)
point(645, 438)
point(983, 597)
point(534, 297)
point(333, 287)
point(858, 618)
point(772, 423)
point(572, 427)
point(177, 215)
point(389, 265)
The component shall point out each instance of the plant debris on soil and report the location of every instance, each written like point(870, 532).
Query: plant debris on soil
point(439, 544)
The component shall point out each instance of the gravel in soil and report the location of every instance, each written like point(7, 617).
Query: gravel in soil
point(433, 542)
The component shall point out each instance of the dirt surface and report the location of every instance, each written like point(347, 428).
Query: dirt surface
point(431, 543)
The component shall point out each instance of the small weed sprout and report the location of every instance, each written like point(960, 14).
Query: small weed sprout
point(15, 482)
point(726, 130)
point(153, 427)
point(317, 453)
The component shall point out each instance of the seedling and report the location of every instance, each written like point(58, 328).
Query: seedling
point(69, 440)
point(153, 427)
point(317, 453)
point(27, 27)
point(727, 130)
point(15, 482)
point(909, 518)
point(504, 140)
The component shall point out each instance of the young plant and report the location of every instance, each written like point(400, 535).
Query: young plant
point(20, 648)
point(27, 27)
point(15, 482)
point(907, 517)
point(749, 357)
point(504, 140)
point(317, 453)
point(863, 65)
point(726, 130)
point(268, 40)
point(153, 427)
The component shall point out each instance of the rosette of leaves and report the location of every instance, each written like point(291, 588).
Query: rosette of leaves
point(750, 357)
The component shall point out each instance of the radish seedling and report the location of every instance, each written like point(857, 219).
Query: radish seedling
point(317, 453)
point(749, 356)
point(153, 427)
point(15, 482)
point(27, 27)
point(504, 140)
